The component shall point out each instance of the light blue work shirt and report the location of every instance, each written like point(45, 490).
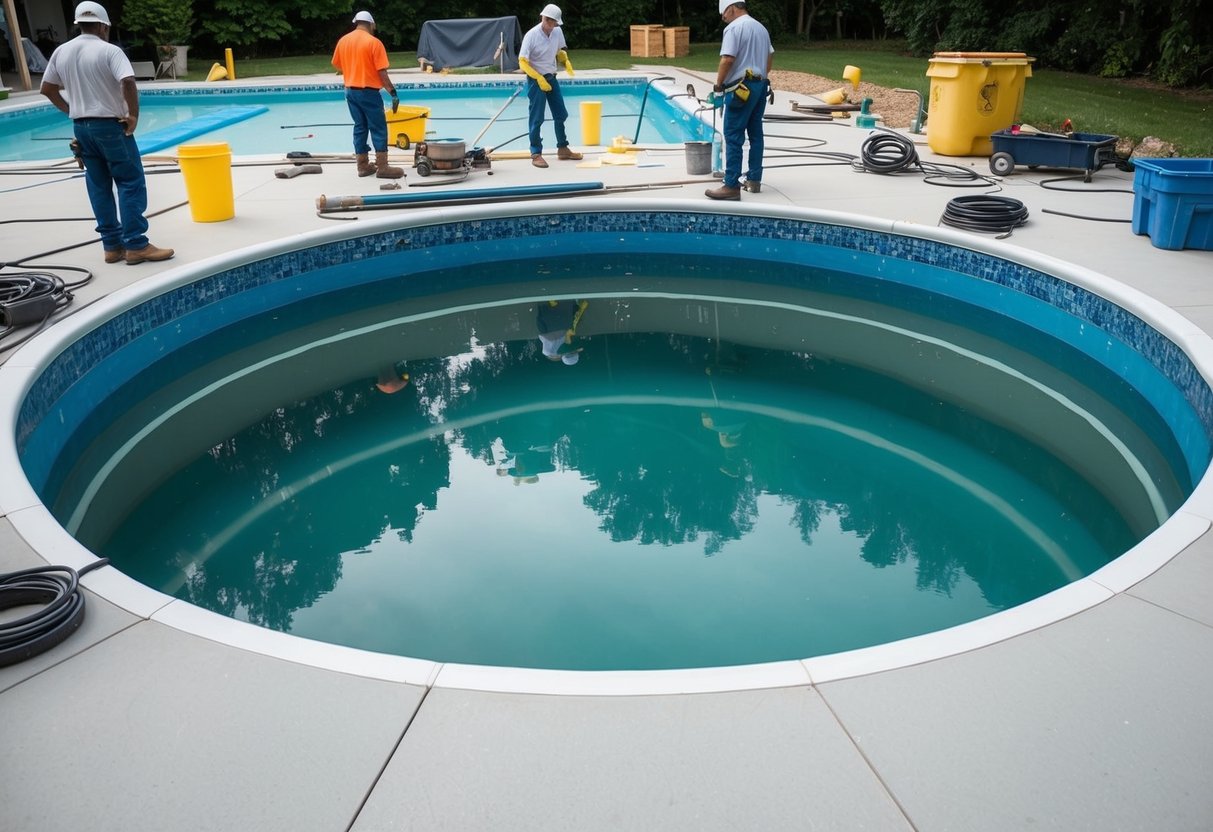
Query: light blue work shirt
point(747, 41)
point(540, 49)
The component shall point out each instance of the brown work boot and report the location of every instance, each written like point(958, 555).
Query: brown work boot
point(365, 168)
point(723, 192)
point(538, 161)
point(566, 154)
point(751, 186)
point(383, 170)
point(115, 255)
point(148, 253)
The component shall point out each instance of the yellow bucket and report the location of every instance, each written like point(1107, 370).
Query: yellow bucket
point(207, 169)
point(406, 126)
point(973, 95)
point(591, 122)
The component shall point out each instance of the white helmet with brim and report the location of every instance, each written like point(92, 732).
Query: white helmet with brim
point(553, 11)
point(724, 4)
point(90, 12)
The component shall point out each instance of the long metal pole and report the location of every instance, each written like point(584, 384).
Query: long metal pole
point(476, 140)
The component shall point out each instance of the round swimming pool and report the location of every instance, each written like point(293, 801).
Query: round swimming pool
point(776, 437)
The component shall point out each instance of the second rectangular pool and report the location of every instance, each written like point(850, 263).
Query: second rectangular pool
point(314, 117)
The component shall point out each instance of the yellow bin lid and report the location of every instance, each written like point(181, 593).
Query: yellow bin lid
point(201, 151)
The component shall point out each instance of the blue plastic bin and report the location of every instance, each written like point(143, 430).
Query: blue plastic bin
point(1173, 202)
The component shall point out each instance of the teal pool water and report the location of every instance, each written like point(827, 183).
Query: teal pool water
point(317, 120)
point(755, 474)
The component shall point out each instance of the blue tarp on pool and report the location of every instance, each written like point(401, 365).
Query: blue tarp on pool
point(186, 130)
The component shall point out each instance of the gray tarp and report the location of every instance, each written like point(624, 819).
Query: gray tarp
point(470, 42)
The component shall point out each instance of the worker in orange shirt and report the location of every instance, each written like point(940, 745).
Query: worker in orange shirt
point(362, 62)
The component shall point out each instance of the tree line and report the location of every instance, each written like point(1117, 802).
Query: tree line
point(1171, 41)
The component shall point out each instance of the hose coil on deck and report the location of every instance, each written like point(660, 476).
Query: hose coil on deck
point(57, 589)
point(985, 213)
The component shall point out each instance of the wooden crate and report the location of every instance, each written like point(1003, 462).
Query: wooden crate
point(647, 41)
point(677, 41)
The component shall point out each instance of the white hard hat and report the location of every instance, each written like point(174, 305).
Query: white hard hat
point(90, 12)
point(724, 4)
point(364, 17)
point(553, 11)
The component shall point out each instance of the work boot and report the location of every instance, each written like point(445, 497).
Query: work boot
point(365, 168)
point(538, 161)
point(724, 192)
point(115, 255)
point(566, 154)
point(752, 186)
point(383, 170)
point(149, 253)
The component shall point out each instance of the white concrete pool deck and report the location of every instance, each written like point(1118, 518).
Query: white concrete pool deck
point(1100, 721)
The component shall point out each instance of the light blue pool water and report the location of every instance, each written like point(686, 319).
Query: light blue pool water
point(754, 458)
point(315, 118)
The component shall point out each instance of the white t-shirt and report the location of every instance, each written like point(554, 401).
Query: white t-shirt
point(90, 70)
point(749, 43)
point(540, 49)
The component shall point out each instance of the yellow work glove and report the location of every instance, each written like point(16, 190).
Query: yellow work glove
point(531, 71)
point(563, 57)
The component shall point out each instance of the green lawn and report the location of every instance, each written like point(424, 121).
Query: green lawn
point(1094, 105)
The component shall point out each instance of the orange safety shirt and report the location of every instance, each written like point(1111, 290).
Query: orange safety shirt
point(360, 55)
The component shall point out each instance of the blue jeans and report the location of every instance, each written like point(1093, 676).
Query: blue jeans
point(742, 118)
point(366, 106)
point(555, 102)
point(111, 158)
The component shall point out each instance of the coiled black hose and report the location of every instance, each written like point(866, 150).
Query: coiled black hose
point(30, 298)
point(57, 588)
point(984, 213)
point(888, 152)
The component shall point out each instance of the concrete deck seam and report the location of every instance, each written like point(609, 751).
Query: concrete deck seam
point(1159, 606)
point(388, 761)
point(867, 760)
point(68, 658)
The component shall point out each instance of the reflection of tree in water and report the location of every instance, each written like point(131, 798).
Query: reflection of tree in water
point(657, 475)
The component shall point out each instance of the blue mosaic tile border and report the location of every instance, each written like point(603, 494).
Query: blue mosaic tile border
point(718, 230)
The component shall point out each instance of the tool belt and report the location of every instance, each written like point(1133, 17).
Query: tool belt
point(740, 90)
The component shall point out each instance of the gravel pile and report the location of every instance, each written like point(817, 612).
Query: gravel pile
point(896, 109)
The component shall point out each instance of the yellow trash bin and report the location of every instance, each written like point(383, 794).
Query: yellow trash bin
point(591, 123)
point(207, 169)
point(973, 95)
point(406, 126)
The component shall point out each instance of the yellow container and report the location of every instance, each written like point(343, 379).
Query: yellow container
point(973, 95)
point(207, 169)
point(406, 126)
point(591, 123)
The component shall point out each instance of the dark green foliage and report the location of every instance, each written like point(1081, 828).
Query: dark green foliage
point(159, 22)
point(280, 26)
point(1172, 41)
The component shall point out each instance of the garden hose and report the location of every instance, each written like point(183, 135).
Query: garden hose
point(32, 297)
point(887, 152)
point(986, 214)
point(57, 589)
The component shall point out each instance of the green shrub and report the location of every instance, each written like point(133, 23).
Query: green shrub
point(160, 22)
